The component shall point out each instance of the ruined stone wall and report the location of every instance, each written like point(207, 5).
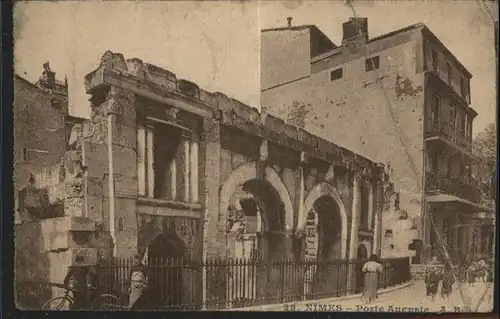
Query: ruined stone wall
point(39, 134)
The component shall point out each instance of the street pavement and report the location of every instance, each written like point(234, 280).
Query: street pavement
point(409, 299)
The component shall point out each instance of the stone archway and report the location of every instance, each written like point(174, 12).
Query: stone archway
point(322, 190)
point(269, 202)
point(247, 172)
point(165, 280)
point(362, 253)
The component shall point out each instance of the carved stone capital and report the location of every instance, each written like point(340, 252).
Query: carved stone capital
point(357, 177)
point(116, 99)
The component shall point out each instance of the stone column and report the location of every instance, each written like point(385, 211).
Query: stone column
point(141, 160)
point(150, 161)
point(371, 206)
point(173, 179)
point(353, 247)
point(194, 170)
point(302, 216)
point(187, 164)
point(213, 231)
point(122, 145)
point(356, 210)
point(377, 228)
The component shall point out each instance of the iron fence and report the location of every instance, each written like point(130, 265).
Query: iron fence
point(181, 284)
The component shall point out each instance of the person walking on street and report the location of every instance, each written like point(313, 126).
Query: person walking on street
point(432, 279)
point(372, 268)
point(471, 274)
point(448, 279)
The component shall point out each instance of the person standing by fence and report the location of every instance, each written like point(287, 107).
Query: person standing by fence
point(372, 268)
point(138, 281)
point(81, 282)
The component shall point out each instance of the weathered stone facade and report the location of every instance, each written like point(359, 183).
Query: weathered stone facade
point(220, 154)
point(51, 228)
point(373, 96)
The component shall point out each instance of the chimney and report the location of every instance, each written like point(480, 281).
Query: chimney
point(354, 29)
point(289, 19)
point(48, 76)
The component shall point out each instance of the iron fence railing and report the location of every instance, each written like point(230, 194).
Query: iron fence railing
point(180, 284)
point(457, 186)
point(447, 130)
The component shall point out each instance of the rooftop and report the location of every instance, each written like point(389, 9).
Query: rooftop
point(415, 26)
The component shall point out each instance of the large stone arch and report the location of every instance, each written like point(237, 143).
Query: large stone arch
point(325, 189)
point(247, 172)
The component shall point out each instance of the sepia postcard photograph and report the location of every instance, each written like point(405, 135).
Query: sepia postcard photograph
point(300, 156)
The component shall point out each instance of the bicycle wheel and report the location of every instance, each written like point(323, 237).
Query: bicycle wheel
point(58, 303)
point(106, 302)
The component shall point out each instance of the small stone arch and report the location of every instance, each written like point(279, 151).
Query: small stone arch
point(325, 189)
point(247, 172)
point(365, 247)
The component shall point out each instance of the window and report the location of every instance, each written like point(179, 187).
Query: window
point(336, 74)
point(452, 118)
point(372, 63)
point(447, 238)
point(463, 91)
point(25, 155)
point(365, 207)
point(434, 59)
point(436, 101)
point(449, 72)
point(167, 162)
point(432, 158)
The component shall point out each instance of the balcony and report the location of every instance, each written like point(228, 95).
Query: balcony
point(456, 186)
point(445, 132)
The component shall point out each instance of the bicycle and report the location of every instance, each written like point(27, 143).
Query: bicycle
point(101, 302)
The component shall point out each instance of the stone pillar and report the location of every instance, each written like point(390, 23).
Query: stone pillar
point(150, 160)
point(377, 228)
point(173, 179)
point(122, 167)
point(213, 242)
point(194, 170)
point(371, 206)
point(353, 247)
point(141, 160)
point(302, 216)
point(356, 210)
point(187, 164)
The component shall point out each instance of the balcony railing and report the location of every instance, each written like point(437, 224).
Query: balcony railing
point(456, 186)
point(446, 130)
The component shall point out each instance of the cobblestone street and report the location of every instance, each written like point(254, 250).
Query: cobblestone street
point(409, 299)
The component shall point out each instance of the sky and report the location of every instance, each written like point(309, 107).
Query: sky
point(216, 44)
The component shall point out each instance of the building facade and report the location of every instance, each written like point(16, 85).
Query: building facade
point(402, 99)
point(168, 169)
point(44, 168)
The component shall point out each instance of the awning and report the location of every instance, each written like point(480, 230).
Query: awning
point(445, 198)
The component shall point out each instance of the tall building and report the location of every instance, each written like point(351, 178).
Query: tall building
point(41, 131)
point(402, 99)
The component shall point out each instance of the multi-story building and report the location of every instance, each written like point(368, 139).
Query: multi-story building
point(401, 98)
point(41, 131)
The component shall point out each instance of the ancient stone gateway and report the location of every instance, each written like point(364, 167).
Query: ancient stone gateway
point(165, 156)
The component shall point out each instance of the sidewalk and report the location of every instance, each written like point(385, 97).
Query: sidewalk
point(409, 297)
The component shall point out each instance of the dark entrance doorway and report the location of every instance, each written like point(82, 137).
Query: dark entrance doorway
point(166, 254)
point(329, 248)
